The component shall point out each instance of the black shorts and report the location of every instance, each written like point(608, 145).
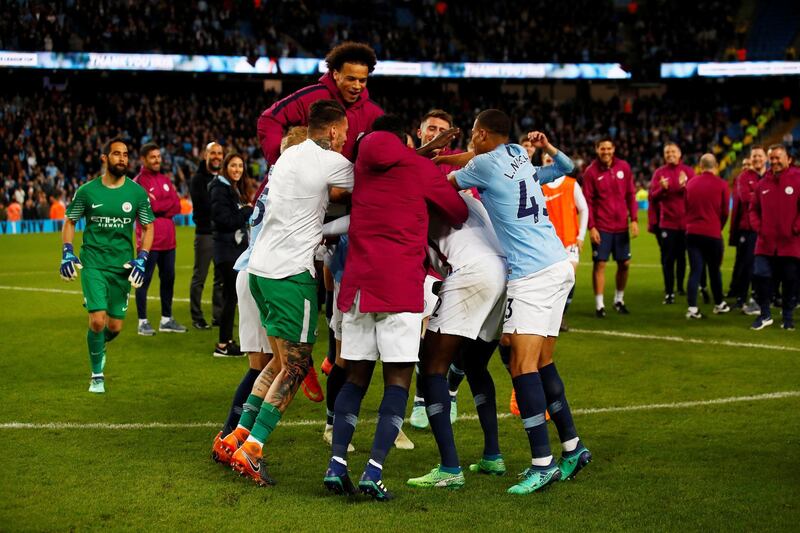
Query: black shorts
point(617, 243)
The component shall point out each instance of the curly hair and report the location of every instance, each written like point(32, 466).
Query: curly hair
point(350, 52)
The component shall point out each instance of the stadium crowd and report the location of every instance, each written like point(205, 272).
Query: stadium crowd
point(49, 141)
point(431, 30)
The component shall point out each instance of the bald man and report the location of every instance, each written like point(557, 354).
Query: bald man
point(203, 243)
point(706, 214)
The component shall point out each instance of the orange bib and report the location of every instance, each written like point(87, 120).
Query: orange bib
point(562, 211)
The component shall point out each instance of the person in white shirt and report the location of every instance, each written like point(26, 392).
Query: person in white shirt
point(282, 270)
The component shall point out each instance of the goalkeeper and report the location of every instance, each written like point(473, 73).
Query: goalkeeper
point(110, 203)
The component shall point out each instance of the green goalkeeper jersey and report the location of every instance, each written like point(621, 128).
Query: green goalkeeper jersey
point(110, 214)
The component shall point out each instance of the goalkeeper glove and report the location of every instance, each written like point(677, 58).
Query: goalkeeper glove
point(136, 267)
point(70, 264)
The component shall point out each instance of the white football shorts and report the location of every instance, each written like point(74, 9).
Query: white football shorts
point(390, 337)
point(535, 303)
point(472, 301)
point(573, 253)
point(252, 335)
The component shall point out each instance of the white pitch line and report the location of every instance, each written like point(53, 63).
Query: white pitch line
point(319, 422)
point(720, 342)
point(65, 291)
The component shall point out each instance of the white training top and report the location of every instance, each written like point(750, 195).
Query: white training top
point(580, 205)
point(296, 205)
point(464, 245)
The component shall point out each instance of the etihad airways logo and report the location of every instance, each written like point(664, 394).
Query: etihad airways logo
point(111, 222)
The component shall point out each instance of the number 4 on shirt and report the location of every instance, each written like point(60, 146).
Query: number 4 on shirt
point(524, 210)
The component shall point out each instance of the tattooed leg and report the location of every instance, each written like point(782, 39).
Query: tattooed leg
point(296, 360)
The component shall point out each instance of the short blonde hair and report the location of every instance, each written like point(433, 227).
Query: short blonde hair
point(294, 136)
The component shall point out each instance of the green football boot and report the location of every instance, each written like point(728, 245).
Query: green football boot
point(418, 418)
point(536, 478)
point(436, 478)
point(495, 467)
point(571, 463)
point(97, 385)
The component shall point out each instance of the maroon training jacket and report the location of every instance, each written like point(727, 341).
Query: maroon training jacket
point(706, 205)
point(389, 225)
point(165, 203)
point(671, 201)
point(293, 111)
point(611, 196)
point(775, 213)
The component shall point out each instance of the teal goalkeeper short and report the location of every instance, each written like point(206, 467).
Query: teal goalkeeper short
point(105, 291)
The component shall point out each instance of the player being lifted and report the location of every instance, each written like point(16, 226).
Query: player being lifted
point(540, 277)
point(109, 203)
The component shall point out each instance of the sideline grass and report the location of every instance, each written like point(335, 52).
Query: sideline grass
point(717, 467)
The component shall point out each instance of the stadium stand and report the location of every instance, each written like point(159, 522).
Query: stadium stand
point(431, 30)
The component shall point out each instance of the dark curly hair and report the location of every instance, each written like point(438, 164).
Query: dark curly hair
point(350, 52)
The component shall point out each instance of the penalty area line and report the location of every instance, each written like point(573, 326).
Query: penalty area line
point(320, 421)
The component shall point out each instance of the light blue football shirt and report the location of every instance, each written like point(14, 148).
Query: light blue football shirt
point(511, 190)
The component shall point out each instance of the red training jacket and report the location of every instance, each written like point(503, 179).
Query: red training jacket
point(389, 225)
point(671, 201)
point(743, 188)
point(611, 196)
point(775, 214)
point(706, 205)
point(165, 203)
point(293, 111)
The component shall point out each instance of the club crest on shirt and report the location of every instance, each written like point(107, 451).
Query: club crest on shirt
point(620, 174)
point(166, 187)
point(789, 190)
point(127, 207)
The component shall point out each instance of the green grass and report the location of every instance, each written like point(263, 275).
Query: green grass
point(728, 466)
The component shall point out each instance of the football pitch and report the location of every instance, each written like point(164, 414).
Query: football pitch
point(693, 425)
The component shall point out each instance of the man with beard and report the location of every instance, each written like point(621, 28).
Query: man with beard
point(110, 204)
point(203, 242)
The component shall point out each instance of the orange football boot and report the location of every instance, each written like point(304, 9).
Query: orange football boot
point(311, 387)
point(512, 404)
point(225, 447)
point(248, 460)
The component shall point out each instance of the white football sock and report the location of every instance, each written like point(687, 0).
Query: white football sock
point(570, 445)
point(598, 301)
point(619, 296)
point(542, 461)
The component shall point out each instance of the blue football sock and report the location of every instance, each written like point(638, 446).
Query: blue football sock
point(334, 384)
point(348, 405)
point(557, 404)
point(505, 355)
point(477, 355)
point(455, 376)
point(390, 420)
point(239, 397)
point(569, 298)
point(437, 405)
point(420, 392)
point(532, 405)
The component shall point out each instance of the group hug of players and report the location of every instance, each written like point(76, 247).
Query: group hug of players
point(422, 272)
point(442, 255)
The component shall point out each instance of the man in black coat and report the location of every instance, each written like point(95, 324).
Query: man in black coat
point(203, 242)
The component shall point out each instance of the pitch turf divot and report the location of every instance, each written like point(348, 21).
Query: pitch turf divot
point(319, 422)
point(669, 338)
